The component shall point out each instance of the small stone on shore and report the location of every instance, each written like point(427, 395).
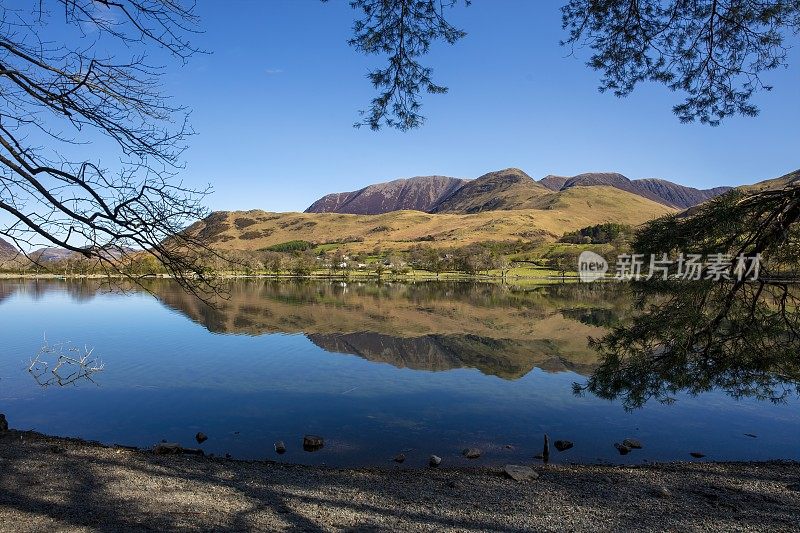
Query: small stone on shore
point(662, 492)
point(632, 444)
point(201, 437)
point(697, 455)
point(280, 447)
point(312, 443)
point(563, 445)
point(434, 461)
point(520, 473)
point(471, 453)
point(399, 458)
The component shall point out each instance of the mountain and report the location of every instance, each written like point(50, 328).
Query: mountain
point(417, 194)
point(658, 190)
point(50, 255)
point(8, 252)
point(554, 183)
point(7, 249)
point(503, 190)
point(677, 195)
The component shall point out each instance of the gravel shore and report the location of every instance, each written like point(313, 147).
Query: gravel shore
point(55, 484)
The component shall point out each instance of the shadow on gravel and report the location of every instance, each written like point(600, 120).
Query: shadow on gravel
point(48, 483)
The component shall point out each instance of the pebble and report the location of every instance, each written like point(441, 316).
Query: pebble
point(662, 492)
point(697, 455)
point(280, 447)
point(434, 461)
point(563, 445)
point(471, 453)
point(201, 437)
point(632, 443)
point(399, 458)
point(520, 473)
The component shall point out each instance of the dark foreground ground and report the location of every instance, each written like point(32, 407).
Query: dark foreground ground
point(52, 484)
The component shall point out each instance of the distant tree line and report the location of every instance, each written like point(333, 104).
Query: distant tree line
point(599, 234)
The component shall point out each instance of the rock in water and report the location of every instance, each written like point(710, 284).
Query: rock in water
point(632, 444)
point(563, 445)
point(546, 449)
point(471, 453)
point(312, 443)
point(171, 448)
point(435, 461)
point(697, 455)
point(3, 423)
point(280, 447)
point(520, 473)
point(621, 448)
point(399, 458)
point(201, 437)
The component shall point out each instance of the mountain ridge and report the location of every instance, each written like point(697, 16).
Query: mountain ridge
point(501, 190)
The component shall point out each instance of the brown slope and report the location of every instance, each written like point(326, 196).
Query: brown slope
point(417, 194)
point(496, 191)
point(790, 179)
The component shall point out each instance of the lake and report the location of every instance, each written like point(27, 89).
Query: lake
point(376, 369)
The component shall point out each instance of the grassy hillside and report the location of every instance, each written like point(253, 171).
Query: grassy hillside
point(555, 214)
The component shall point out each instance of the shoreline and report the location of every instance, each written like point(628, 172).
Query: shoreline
point(69, 484)
point(449, 276)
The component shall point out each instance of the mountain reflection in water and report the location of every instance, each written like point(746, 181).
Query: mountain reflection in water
point(496, 329)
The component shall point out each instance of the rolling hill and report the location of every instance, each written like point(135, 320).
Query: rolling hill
point(553, 214)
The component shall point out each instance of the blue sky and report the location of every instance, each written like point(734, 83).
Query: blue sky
point(274, 103)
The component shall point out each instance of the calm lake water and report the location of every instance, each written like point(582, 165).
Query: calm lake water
point(376, 369)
